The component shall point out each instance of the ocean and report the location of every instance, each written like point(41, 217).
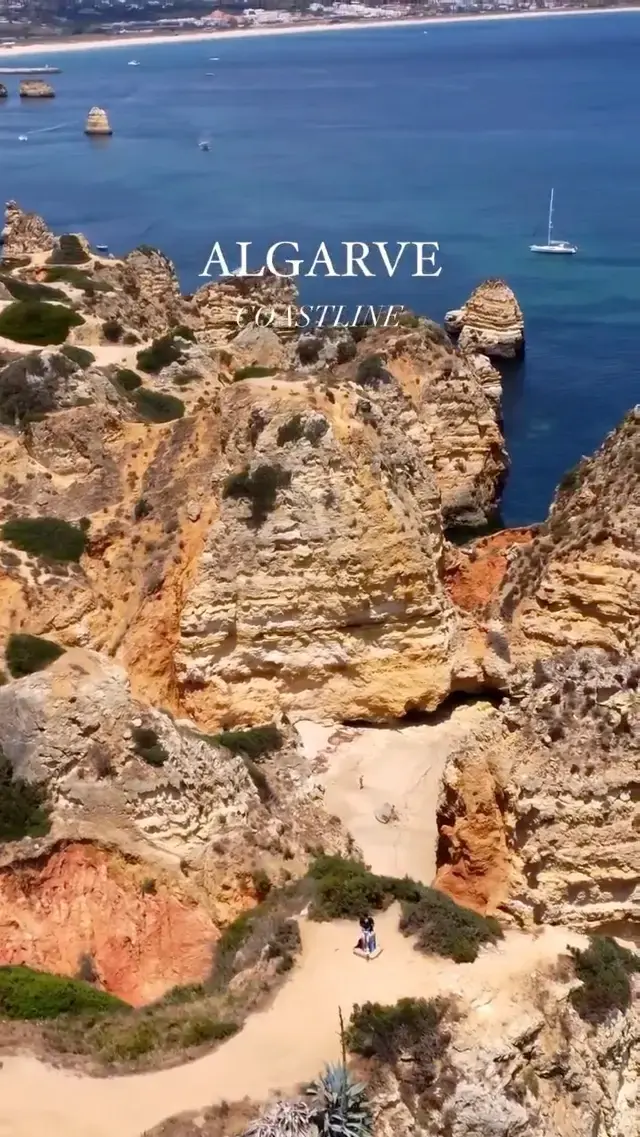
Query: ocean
point(391, 134)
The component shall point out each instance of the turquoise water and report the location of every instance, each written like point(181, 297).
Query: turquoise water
point(455, 136)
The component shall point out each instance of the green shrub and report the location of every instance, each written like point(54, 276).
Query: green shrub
point(77, 278)
point(48, 537)
point(147, 746)
point(23, 807)
point(159, 354)
point(340, 1107)
point(28, 994)
point(131, 1043)
point(346, 351)
point(79, 354)
point(259, 780)
point(371, 371)
point(199, 1030)
point(410, 1028)
point(260, 488)
point(292, 430)
point(408, 320)
point(157, 407)
point(261, 884)
point(253, 371)
point(141, 509)
point(445, 928)
point(112, 330)
point(604, 968)
point(345, 889)
point(34, 321)
point(26, 290)
point(25, 654)
point(184, 332)
point(128, 379)
point(255, 743)
point(148, 886)
point(69, 251)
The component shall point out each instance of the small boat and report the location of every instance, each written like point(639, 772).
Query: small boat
point(23, 138)
point(133, 63)
point(102, 248)
point(554, 246)
point(204, 145)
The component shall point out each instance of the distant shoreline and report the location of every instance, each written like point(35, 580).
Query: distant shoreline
point(53, 47)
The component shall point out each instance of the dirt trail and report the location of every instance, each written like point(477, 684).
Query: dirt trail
point(286, 1044)
point(403, 767)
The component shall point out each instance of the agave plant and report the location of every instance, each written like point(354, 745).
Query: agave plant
point(340, 1106)
point(284, 1119)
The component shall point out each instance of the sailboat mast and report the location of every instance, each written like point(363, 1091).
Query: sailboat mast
point(550, 219)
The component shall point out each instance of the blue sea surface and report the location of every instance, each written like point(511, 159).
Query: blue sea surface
point(455, 136)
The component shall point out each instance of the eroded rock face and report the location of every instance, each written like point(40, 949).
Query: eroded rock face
point(542, 814)
point(490, 322)
point(36, 89)
point(84, 906)
point(24, 233)
point(577, 583)
point(329, 603)
point(217, 311)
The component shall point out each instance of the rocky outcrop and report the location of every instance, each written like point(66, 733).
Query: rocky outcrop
point(490, 322)
point(37, 384)
point(476, 571)
point(576, 583)
point(36, 89)
point(24, 234)
point(140, 929)
point(218, 311)
point(3, 91)
point(541, 816)
point(97, 122)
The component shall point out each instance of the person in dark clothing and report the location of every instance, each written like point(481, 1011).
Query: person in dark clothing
point(367, 939)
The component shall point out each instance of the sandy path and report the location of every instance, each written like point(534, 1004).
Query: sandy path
point(279, 1048)
point(403, 767)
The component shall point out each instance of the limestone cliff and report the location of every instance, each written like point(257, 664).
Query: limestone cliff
point(490, 322)
point(578, 582)
point(542, 815)
point(97, 122)
point(36, 89)
point(24, 234)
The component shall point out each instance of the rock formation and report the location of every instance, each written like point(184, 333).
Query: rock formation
point(576, 584)
point(541, 817)
point(97, 122)
point(3, 91)
point(218, 311)
point(24, 234)
point(490, 322)
point(36, 89)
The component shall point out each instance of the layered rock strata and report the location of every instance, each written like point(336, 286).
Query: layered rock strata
point(36, 89)
point(97, 122)
point(490, 322)
point(24, 234)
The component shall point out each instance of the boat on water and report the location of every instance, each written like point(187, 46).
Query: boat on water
point(23, 138)
point(554, 246)
point(102, 248)
point(204, 145)
point(133, 63)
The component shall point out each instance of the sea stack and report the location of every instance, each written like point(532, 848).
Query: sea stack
point(490, 322)
point(3, 91)
point(36, 89)
point(97, 122)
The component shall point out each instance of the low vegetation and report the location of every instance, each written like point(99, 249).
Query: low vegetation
point(127, 379)
point(28, 994)
point(37, 322)
point(155, 406)
point(253, 371)
point(371, 371)
point(77, 278)
point(80, 355)
point(259, 488)
point(26, 654)
point(28, 290)
point(48, 537)
point(346, 889)
point(160, 353)
point(23, 807)
point(147, 746)
point(604, 969)
point(409, 1029)
point(112, 331)
point(268, 931)
point(256, 742)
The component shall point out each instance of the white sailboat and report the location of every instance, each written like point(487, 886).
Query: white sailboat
point(554, 246)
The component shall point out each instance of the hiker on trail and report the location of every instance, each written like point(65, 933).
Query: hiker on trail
point(367, 928)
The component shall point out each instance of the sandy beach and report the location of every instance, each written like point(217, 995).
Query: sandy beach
point(51, 47)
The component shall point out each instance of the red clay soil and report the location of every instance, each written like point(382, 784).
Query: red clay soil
point(83, 902)
point(474, 574)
